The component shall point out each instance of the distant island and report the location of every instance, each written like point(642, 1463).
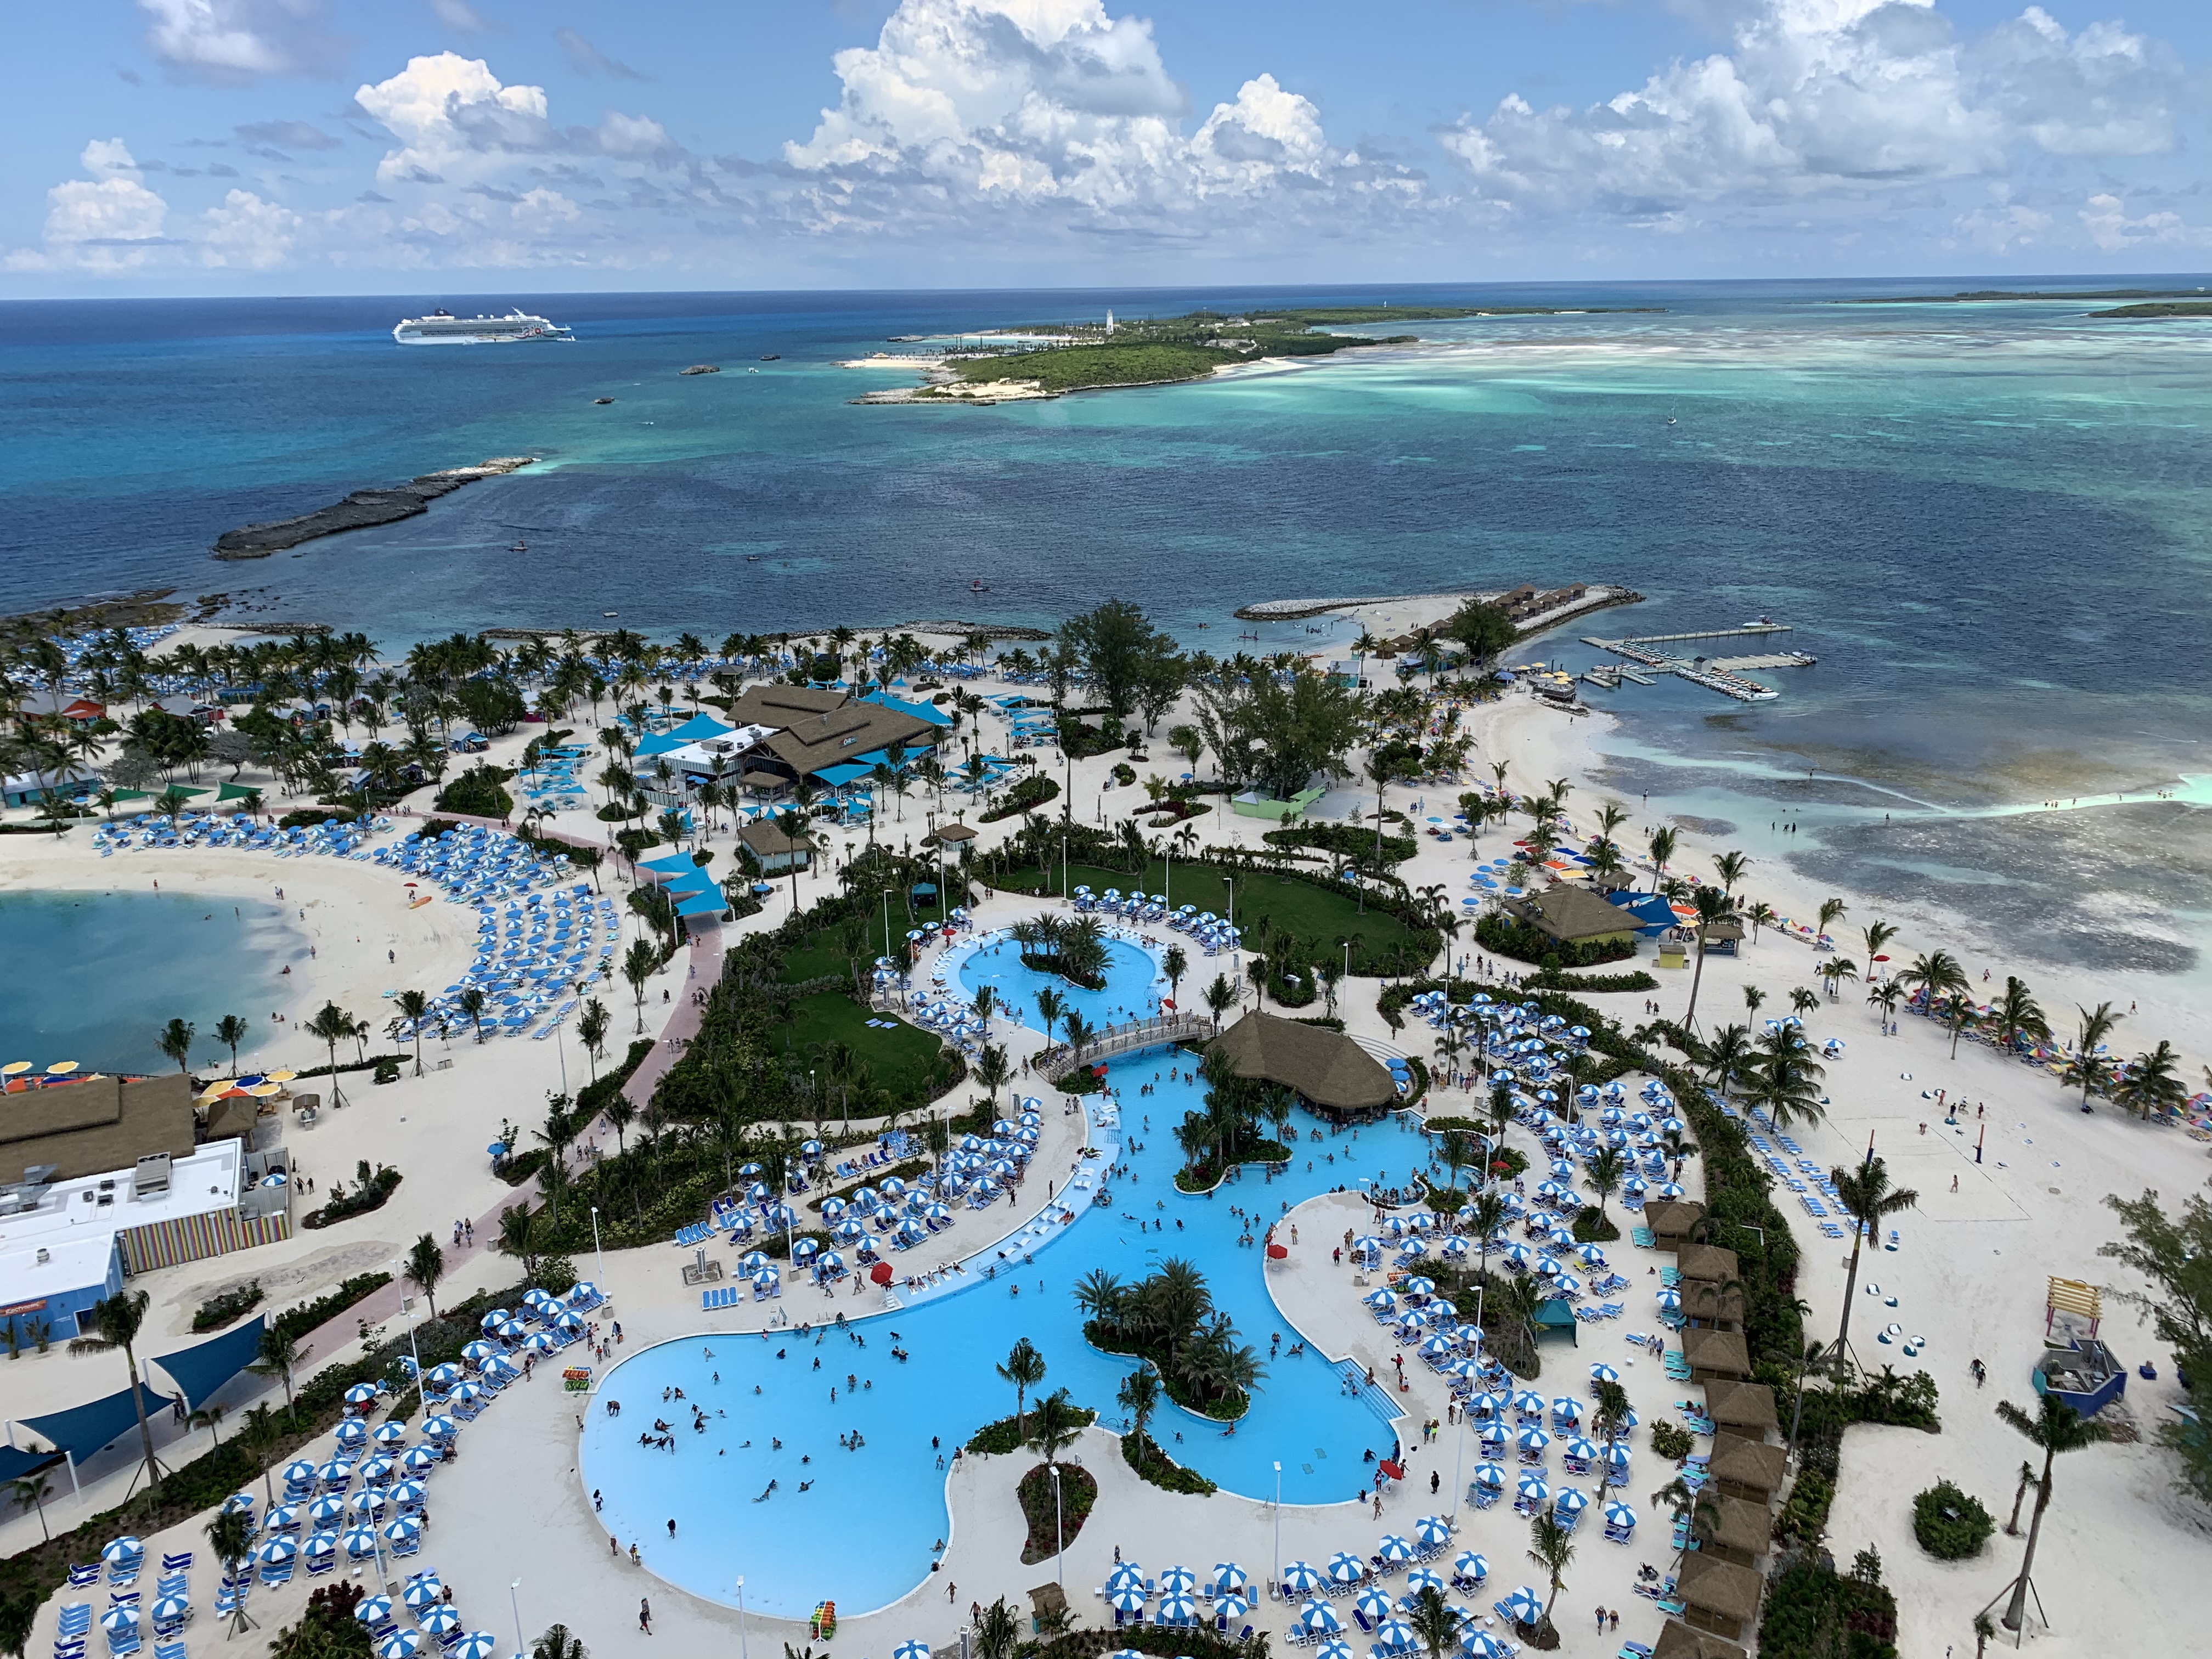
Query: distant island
point(1046, 359)
point(361, 510)
point(2162, 309)
point(2005, 293)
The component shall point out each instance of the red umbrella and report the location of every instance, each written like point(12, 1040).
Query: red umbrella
point(1395, 1471)
point(881, 1273)
point(1277, 1252)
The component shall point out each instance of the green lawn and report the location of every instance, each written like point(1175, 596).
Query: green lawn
point(822, 954)
point(1318, 916)
point(903, 1059)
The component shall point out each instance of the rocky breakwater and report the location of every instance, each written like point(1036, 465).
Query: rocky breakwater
point(361, 510)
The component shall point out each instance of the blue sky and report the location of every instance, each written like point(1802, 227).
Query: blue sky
point(342, 146)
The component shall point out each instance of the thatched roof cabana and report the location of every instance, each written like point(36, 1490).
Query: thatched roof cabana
point(1328, 1070)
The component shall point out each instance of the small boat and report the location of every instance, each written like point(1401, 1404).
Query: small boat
point(979, 587)
point(610, 613)
point(602, 400)
point(771, 356)
point(752, 558)
point(520, 547)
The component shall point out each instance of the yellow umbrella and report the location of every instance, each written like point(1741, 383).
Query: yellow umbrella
point(216, 1091)
point(279, 1077)
point(263, 1091)
point(15, 1068)
point(61, 1068)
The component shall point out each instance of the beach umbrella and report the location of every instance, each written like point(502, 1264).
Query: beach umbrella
point(1532, 1487)
point(1581, 1450)
point(408, 1494)
point(1489, 1475)
point(445, 1375)
point(171, 1610)
point(1620, 1516)
point(1602, 1372)
point(283, 1518)
point(1129, 1598)
point(1524, 1605)
point(1344, 1568)
point(321, 1544)
point(373, 1610)
point(362, 1393)
point(1489, 1404)
point(1433, 1530)
point(1177, 1581)
point(441, 1621)
point(352, 1434)
point(1319, 1618)
point(420, 1593)
point(1616, 1463)
point(479, 1351)
point(1234, 1605)
point(369, 1501)
point(1492, 1435)
point(400, 1644)
point(1228, 1576)
point(1177, 1608)
point(1572, 1500)
point(299, 1473)
point(440, 1427)
point(911, 1650)
point(1395, 1548)
point(1125, 1572)
point(277, 1551)
point(403, 1530)
point(377, 1472)
point(120, 1620)
point(390, 1436)
point(509, 1330)
point(420, 1460)
point(1393, 1635)
point(1471, 1564)
point(1532, 1439)
point(1334, 1647)
point(1301, 1575)
point(1481, 1644)
point(359, 1542)
point(1422, 1578)
point(1528, 1403)
point(1375, 1603)
point(1565, 1410)
point(1670, 1298)
point(477, 1644)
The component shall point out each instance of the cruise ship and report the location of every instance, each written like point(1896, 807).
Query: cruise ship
point(441, 327)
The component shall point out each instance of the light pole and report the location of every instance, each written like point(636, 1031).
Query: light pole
point(514, 1601)
point(1278, 1525)
point(743, 1652)
point(1059, 1528)
point(399, 1271)
point(596, 1251)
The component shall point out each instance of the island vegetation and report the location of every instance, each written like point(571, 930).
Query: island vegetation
point(2159, 308)
point(1168, 1318)
point(1973, 296)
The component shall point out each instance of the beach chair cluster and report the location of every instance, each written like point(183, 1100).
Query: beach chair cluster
point(554, 781)
point(697, 1233)
point(163, 832)
point(1223, 1599)
point(725, 1295)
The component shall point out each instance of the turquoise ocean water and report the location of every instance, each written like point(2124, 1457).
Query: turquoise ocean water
point(1984, 520)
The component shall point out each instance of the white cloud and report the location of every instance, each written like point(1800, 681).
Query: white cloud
point(1828, 96)
point(246, 232)
point(106, 157)
point(2105, 216)
point(239, 41)
point(102, 227)
point(457, 123)
point(1028, 102)
point(2004, 227)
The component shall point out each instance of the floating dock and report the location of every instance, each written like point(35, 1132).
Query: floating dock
point(1726, 675)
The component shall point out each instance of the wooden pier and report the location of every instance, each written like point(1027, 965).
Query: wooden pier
point(1749, 631)
point(1726, 675)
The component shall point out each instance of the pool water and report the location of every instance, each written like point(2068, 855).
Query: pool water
point(857, 1527)
point(1134, 985)
point(95, 976)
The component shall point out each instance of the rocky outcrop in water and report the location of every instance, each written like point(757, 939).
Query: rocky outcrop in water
point(362, 510)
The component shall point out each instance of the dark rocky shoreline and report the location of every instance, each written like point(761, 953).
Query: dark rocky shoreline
point(362, 510)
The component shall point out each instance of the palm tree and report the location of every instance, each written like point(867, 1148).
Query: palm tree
point(1700, 1510)
point(1865, 1196)
point(176, 1041)
point(1551, 1547)
point(559, 1642)
point(1050, 1005)
point(1803, 1001)
point(2150, 1084)
point(230, 1536)
point(1612, 1418)
point(1054, 1427)
point(1834, 971)
point(209, 1418)
point(1679, 1148)
point(1730, 867)
point(2057, 1427)
point(1458, 1150)
point(2016, 1014)
point(1434, 1622)
point(279, 1355)
point(231, 1030)
point(1752, 997)
point(993, 1069)
point(1833, 910)
point(474, 1004)
point(1662, 854)
point(1606, 1166)
point(2087, 1067)
point(1490, 1213)
point(1220, 998)
point(1958, 1011)
point(415, 1008)
point(638, 965)
point(117, 1318)
point(1139, 1396)
point(1713, 905)
point(1728, 1056)
point(261, 1434)
point(425, 1265)
point(1935, 974)
point(1024, 1369)
point(31, 1494)
point(521, 1236)
point(1785, 1079)
point(1876, 934)
point(331, 1026)
point(1174, 964)
point(591, 1031)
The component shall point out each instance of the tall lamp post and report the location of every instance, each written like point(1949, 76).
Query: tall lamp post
point(1059, 1528)
point(514, 1601)
point(1278, 1526)
point(743, 1651)
point(600, 1255)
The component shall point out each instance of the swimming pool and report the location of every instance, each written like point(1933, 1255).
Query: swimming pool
point(861, 1532)
point(1134, 985)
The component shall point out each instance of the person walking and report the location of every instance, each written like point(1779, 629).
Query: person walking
point(644, 1615)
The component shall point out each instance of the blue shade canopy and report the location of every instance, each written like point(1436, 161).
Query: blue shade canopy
point(83, 1430)
point(202, 1370)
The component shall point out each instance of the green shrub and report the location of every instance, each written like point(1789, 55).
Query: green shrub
point(997, 1439)
point(1813, 1613)
point(1591, 1227)
point(1154, 1465)
point(1032, 791)
point(1553, 981)
point(477, 792)
point(1501, 935)
point(372, 1187)
point(222, 1309)
point(1670, 1442)
point(311, 817)
point(1055, 1518)
point(1950, 1524)
point(296, 1322)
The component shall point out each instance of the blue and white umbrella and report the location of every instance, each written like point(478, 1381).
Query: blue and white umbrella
point(1395, 1548)
point(1433, 1530)
point(1393, 1635)
point(1531, 1488)
point(510, 1330)
point(352, 1434)
point(479, 1351)
point(277, 1551)
point(400, 1644)
point(1344, 1568)
point(299, 1473)
point(377, 1472)
point(1528, 1403)
point(373, 1610)
point(1579, 1450)
point(405, 1529)
point(359, 1542)
point(1319, 1618)
point(1481, 1644)
point(1620, 1516)
point(1533, 1439)
point(1176, 1609)
point(1301, 1575)
point(1422, 1578)
point(1178, 1581)
point(441, 1428)
point(1524, 1605)
point(1336, 1648)
point(1375, 1603)
point(369, 1501)
point(419, 1460)
point(445, 1375)
point(362, 1393)
point(408, 1494)
point(1471, 1564)
point(319, 1544)
point(1234, 1605)
point(172, 1609)
point(389, 1435)
point(1228, 1575)
point(911, 1650)
point(283, 1518)
point(477, 1644)
point(1126, 1598)
point(1602, 1372)
point(420, 1595)
point(1572, 1500)
point(1489, 1475)
point(441, 1621)
point(118, 1621)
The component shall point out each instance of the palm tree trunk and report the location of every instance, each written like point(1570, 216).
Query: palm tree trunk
point(1696, 977)
point(1851, 1287)
point(146, 1434)
point(2016, 1610)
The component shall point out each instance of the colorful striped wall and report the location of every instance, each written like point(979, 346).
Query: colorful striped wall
point(191, 1239)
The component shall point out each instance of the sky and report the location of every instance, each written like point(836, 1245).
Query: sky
point(256, 147)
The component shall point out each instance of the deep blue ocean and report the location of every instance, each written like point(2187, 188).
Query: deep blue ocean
point(1985, 520)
